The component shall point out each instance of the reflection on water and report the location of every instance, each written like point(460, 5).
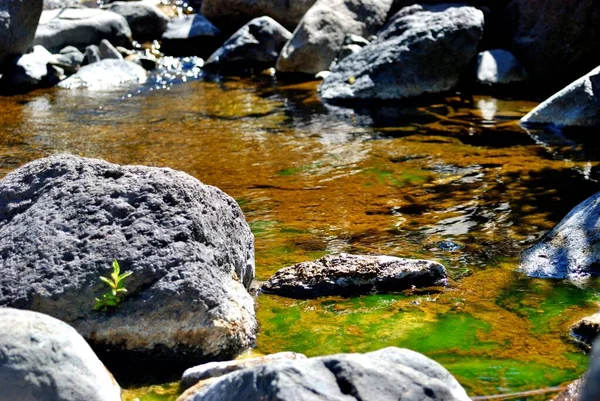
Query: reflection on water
point(457, 181)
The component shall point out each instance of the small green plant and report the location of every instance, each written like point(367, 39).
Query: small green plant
point(116, 282)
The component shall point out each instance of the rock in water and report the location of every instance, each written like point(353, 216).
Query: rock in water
point(190, 35)
point(44, 359)
point(18, 22)
point(572, 249)
point(577, 105)
point(105, 74)
point(423, 50)
point(345, 274)
point(64, 218)
point(390, 374)
point(586, 330)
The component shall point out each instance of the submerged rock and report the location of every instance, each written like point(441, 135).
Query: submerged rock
point(576, 105)
point(345, 274)
point(190, 35)
point(44, 359)
point(390, 374)
point(256, 45)
point(422, 50)
point(216, 369)
point(586, 330)
point(64, 218)
point(499, 66)
point(572, 249)
point(105, 74)
point(18, 22)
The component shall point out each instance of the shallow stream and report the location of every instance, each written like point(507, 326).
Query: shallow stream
point(457, 181)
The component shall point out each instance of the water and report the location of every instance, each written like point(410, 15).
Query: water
point(456, 181)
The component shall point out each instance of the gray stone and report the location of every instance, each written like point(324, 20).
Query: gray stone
point(18, 21)
point(422, 50)
point(571, 392)
point(586, 330)
point(320, 35)
point(147, 22)
point(44, 359)
point(384, 375)
point(70, 59)
point(54, 4)
point(105, 74)
point(590, 390)
point(255, 45)
point(217, 369)
point(556, 40)
point(353, 274)
point(108, 51)
point(348, 50)
point(576, 105)
point(31, 69)
point(572, 249)
point(92, 54)
point(351, 39)
point(230, 15)
point(190, 35)
point(64, 218)
point(499, 67)
point(81, 27)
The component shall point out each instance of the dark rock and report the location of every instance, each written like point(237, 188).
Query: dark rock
point(108, 51)
point(585, 331)
point(572, 249)
point(230, 15)
point(320, 35)
point(45, 359)
point(577, 105)
point(499, 67)
point(384, 375)
point(146, 21)
point(92, 54)
point(217, 369)
point(345, 274)
point(190, 35)
point(81, 27)
point(556, 40)
point(64, 218)
point(422, 50)
point(590, 390)
point(32, 70)
point(18, 21)
point(105, 74)
point(256, 45)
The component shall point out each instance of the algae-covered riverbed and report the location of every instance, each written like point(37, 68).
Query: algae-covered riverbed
point(457, 181)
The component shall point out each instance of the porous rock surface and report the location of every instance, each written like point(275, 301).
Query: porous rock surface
point(44, 359)
point(384, 375)
point(18, 22)
point(422, 50)
point(105, 74)
point(576, 105)
point(320, 34)
point(571, 249)
point(346, 274)
point(64, 218)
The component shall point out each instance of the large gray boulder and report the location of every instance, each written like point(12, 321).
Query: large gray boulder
point(576, 105)
point(230, 15)
point(423, 50)
point(147, 22)
point(190, 35)
point(18, 22)
point(346, 274)
point(572, 249)
point(556, 40)
point(44, 359)
point(320, 35)
point(64, 218)
point(81, 27)
point(384, 375)
point(105, 75)
point(256, 45)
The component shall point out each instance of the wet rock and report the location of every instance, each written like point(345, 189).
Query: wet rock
point(590, 390)
point(108, 51)
point(572, 249)
point(499, 67)
point(147, 22)
point(70, 56)
point(254, 46)
point(64, 218)
point(422, 50)
point(230, 15)
point(384, 375)
point(216, 369)
point(32, 69)
point(345, 274)
point(45, 359)
point(190, 35)
point(556, 40)
point(81, 27)
point(576, 105)
point(105, 74)
point(586, 330)
point(351, 39)
point(320, 35)
point(92, 54)
point(571, 392)
point(18, 21)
